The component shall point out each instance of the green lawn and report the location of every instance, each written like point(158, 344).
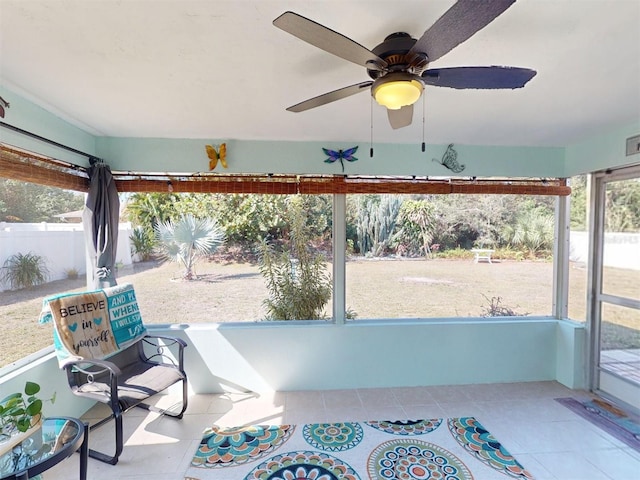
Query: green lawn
point(229, 292)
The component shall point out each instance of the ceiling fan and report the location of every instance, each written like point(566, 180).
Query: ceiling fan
point(398, 66)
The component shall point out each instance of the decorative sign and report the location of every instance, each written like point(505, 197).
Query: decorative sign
point(93, 325)
point(215, 155)
point(340, 155)
point(450, 160)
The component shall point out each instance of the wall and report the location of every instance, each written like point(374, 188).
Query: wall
point(322, 356)
point(571, 347)
point(52, 380)
point(28, 116)
point(189, 155)
point(246, 156)
point(62, 245)
point(602, 151)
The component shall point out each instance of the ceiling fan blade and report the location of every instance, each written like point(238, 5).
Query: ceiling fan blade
point(328, 40)
point(478, 77)
point(400, 118)
point(459, 23)
point(329, 97)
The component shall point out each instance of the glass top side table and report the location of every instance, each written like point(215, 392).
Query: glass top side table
point(56, 439)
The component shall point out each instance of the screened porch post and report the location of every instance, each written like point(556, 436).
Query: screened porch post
point(561, 247)
point(339, 258)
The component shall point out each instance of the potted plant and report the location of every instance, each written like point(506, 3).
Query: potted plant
point(21, 411)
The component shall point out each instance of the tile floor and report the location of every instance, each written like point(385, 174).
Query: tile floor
point(548, 439)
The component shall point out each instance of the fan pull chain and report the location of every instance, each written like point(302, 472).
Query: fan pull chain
point(371, 144)
point(424, 146)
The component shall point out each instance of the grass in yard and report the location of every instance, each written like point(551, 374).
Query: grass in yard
point(445, 288)
point(228, 292)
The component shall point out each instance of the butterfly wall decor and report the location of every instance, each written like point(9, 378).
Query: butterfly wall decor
point(215, 155)
point(340, 155)
point(450, 160)
point(3, 104)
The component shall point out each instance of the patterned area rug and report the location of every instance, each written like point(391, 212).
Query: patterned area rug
point(437, 449)
point(624, 426)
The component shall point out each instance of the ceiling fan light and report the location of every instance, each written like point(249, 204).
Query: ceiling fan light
point(395, 94)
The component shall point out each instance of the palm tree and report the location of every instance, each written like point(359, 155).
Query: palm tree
point(533, 230)
point(188, 239)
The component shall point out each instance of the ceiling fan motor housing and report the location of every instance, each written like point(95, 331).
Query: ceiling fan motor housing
point(395, 52)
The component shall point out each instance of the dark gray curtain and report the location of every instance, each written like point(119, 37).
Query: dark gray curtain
point(100, 218)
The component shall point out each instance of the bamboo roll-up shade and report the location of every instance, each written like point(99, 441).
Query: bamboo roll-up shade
point(30, 167)
point(291, 184)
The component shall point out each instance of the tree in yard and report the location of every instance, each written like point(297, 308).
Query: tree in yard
point(33, 203)
point(533, 230)
point(578, 217)
point(298, 283)
point(417, 225)
point(375, 221)
point(622, 206)
point(187, 240)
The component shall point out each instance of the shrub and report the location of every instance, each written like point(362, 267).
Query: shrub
point(298, 283)
point(455, 254)
point(24, 271)
point(71, 273)
point(496, 309)
point(533, 231)
point(142, 243)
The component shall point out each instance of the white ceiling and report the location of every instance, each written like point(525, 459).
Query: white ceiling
point(221, 70)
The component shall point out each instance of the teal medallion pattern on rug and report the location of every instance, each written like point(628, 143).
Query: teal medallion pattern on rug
point(436, 449)
point(474, 438)
point(332, 437)
point(303, 465)
point(404, 459)
point(221, 447)
point(406, 427)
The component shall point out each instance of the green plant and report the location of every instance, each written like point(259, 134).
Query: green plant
point(187, 240)
point(24, 270)
point(508, 253)
point(20, 413)
point(533, 231)
point(298, 283)
point(496, 309)
point(417, 224)
point(142, 243)
point(455, 254)
point(375, 221)
point(71, 273)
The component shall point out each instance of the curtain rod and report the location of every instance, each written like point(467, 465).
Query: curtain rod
point(92, 158)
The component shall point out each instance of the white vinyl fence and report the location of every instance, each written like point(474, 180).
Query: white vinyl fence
point(61, 245)
point(622, 250)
